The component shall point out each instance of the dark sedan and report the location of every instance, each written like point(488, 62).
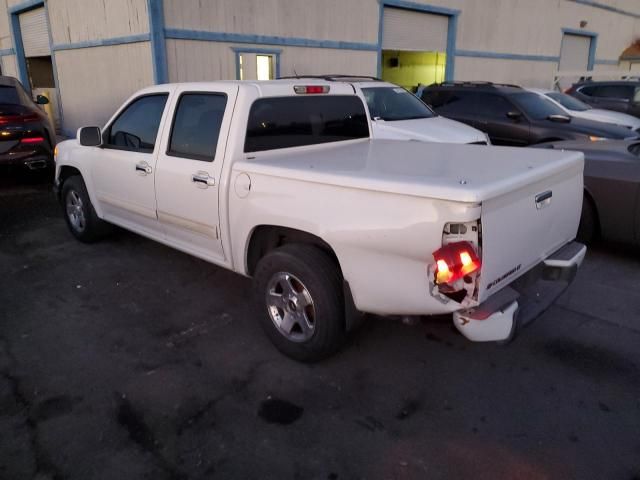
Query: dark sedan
point(27, 138)
point(611, 207)
point(513, 116)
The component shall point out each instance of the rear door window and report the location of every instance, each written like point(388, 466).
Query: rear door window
point(9, 95)
point(614, 91)
point(450, 102)
point(283, 122)
point(136, 128)
point(492, 106)
point(196, 126)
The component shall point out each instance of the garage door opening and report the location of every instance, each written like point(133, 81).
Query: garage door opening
point(34, 30)
point(414, 46)
point(410, 69)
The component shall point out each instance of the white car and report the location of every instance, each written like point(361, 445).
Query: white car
point(280, 181)
point(397, 114)
point(577, 108)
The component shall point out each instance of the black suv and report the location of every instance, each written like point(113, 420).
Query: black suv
point(513, 116)
point(621, 95)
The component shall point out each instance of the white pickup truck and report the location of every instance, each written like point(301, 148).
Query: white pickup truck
point(280, 181)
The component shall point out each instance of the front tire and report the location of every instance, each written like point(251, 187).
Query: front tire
point(300, 302)
point(81, 217)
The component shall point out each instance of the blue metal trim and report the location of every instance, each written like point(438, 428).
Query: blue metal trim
point(238, 50)
point(593, 45)
point(7, 51)
point(158, 44)
point(452, 30)
point(452, 35)
point(507, 56)
point(593, 4)
point(602, 61)
point(56, 83)
point(21, 61)
point(25, 6)
point(420, 7)
point(143, 37)
point(380, 37)
point(182, 34)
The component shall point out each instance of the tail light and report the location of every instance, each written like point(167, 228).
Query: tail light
point(31, 140)
point(310, 89)
point(29, 117)
point(454, 261)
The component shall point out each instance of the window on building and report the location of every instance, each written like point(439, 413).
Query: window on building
point(256, 66)
point(136, 128)
point(196, 126)
point(296, 121)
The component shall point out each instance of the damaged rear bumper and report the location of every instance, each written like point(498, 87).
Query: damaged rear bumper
point(521, 302)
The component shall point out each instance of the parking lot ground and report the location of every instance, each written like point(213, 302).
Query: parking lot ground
point(129, 360)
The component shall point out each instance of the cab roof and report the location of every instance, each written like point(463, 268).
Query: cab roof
point(265, 88)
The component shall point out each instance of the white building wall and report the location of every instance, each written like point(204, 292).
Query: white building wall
point(74, 21)
point(519, 72)
point(346, 20)
point(5, 31)
point(9, 66)
point(94, 82)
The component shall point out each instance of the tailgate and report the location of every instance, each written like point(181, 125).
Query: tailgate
point(523, 227)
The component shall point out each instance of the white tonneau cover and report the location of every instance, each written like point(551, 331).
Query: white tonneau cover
point(461, 173)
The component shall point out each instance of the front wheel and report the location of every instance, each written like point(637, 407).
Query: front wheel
point(300, 301)
point(81, 218)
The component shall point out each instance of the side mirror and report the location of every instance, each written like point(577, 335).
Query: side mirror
point(514, 115)
point(90, 136)
point(42, 100)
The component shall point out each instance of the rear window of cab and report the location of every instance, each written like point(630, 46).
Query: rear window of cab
point(284, 122)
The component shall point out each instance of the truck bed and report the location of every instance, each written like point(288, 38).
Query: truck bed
point(461, 173)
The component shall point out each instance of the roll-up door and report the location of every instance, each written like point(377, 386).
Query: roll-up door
point(574, 54)
point(35, 34)
point(410, 30)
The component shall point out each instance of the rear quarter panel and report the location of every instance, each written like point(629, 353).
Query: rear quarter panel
point(615, 189)
point(383, 241)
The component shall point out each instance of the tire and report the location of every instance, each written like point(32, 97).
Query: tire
point(588, 228)
point(81, 217)
point(300, 302)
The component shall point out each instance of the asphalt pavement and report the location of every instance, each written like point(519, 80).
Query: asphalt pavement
point(128, 360)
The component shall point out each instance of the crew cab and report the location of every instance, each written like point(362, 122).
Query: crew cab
point(280, 181)
point(394, 113)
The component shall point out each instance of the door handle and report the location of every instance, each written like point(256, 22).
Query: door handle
point(143, 168)
point(203, 180)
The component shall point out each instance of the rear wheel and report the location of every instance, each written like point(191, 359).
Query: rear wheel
point(300, 302)
point(588, 229)
point(81, 218)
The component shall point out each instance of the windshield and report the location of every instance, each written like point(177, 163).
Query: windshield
point(395, 103)
point(536, 106)
point(9, 95)
point(568, 102)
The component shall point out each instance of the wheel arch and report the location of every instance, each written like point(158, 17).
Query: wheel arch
point(65, 172)
point(265, 238)
point(589, 197)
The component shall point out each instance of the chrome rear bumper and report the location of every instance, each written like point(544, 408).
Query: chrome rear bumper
point(524, 300)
